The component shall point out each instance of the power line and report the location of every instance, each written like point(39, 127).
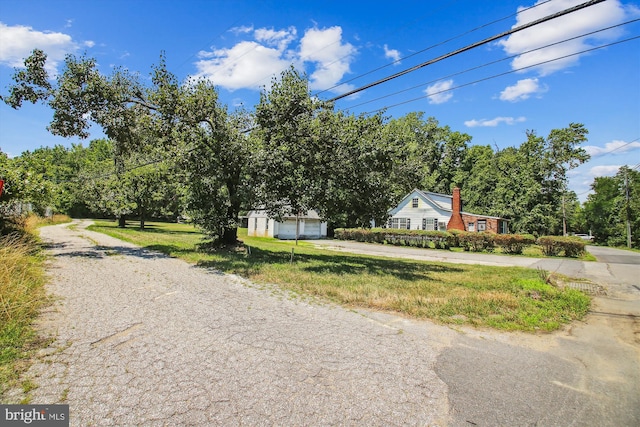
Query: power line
point(502, 74)
point(422, 97)
point(428, 48)
point(490, 63)
point(345, 56)
point(469, 47)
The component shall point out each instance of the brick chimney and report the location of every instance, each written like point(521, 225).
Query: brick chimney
point(456, 223)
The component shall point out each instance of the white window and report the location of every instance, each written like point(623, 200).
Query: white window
point(414, 202)
point(471, 226)
point(400, 223)
point(429, 224)
point(442, 226)
point(482, 225)
point(504, 227)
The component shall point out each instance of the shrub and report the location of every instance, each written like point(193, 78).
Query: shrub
point(477, 242)
point(416, 238)
point(513, 243)
point(554, 245)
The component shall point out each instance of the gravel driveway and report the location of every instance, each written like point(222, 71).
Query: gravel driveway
point(143, 339)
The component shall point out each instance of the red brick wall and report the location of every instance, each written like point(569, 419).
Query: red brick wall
point(492, 223)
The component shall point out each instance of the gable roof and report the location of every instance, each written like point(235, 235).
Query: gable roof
point(438, 201)
point(443, 201)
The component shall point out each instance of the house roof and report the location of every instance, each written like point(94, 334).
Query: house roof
point(479, 216)
point(436, 199)
point(433, 197)
point(262, 213)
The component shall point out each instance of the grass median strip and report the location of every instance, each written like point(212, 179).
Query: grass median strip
point(508, 298)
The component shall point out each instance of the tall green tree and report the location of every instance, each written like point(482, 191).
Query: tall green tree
point(426, 155)
point(357, 175)
point(529, 183)
point(615, 200)
point(292, 157)
point(82, 96)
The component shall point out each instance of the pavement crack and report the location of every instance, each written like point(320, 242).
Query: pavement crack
point(117, 336)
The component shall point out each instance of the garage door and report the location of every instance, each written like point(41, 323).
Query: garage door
point(287, 229)
point(312, 229)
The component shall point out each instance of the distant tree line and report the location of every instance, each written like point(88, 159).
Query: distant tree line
point(173, 149)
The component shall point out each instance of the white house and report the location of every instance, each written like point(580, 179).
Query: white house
point(310, 226)
point(423, 210)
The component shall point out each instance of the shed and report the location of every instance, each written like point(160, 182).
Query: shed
point(311, 226)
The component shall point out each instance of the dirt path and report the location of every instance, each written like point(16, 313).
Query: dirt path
point(143, 339)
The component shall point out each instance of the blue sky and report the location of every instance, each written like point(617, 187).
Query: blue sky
point(495, 92)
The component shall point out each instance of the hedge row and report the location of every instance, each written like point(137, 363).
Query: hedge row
point(475, 242)
point(568, 246)
point(416, 238)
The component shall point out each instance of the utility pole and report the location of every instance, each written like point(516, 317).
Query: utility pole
point(626, 189)
point(564, 218)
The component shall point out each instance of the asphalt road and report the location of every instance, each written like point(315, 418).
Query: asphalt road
point(615, 256)
point(143, 339)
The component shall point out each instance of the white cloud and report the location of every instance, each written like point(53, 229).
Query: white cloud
point(574, 24)
point(251, 63)
point(19, 41)
point(332, 57)
point(281, 38)
point(242, 66)
point(523, 89)
point(494, 122)
point(439, 93)
point(89, 43)
point(392, 54)
point(613, 147)
point(604, 170)
point(241, 30)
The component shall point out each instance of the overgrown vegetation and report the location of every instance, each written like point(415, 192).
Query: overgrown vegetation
point(21, 295)
point(499, 297)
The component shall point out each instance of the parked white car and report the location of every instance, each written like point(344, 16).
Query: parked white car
point(585, 237)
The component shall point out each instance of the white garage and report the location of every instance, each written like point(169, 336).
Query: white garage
point(310, 226)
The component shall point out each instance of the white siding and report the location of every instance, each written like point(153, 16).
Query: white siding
point(260, 225)
point(425, 209)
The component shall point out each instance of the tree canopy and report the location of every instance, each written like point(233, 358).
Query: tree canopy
point(173, 150)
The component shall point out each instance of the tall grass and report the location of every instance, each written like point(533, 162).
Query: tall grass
point(22, 294)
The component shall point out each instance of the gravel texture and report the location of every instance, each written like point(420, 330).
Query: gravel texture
point(144, 339)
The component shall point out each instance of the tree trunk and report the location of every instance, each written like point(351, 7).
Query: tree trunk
point(122, 221)
point(143, 214)
point(230, 236)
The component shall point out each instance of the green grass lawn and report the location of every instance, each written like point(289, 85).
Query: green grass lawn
point(508, 298)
